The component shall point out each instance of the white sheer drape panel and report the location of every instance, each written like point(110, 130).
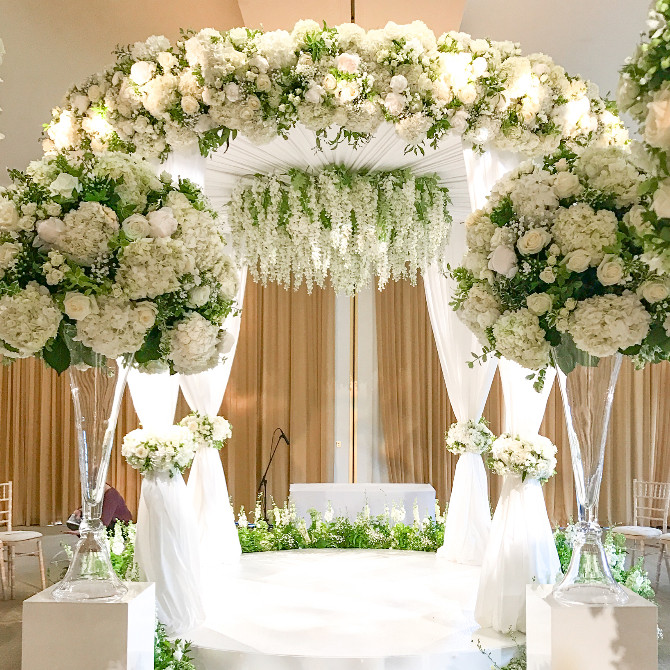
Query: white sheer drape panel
point(520, 551)
point(166, 550)
point(524, 406)
point(154, 397)
point(187, 164)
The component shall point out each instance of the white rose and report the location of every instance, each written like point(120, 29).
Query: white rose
point(63, 185)
point(329, 82)
point(661, 202)
point(610, 271)
point(232, 91)
point(547, 275)
point(253, 102)
point(199, 295)
point(459, 121)
point(263, 83)
point(145, 314)
point(398, 83)
point(539, 303)
point(654, 291)
point(657, 123)
point(162, 222)
point(479, 66)
point(533, 241)
point(141, 451)
point(347, 62)
point(166, 60)
point(347, 91)
point(9, 215)
point(226, 343)
point(394, 103)
point(189, 104)
point(315, 94)
point(142, 71)
point(136, 227)
point(8, 252)
point(78, 306)
point(503, 261)
point(578, 260)
point(50, 229)
point(566, 184)
point(468, 94)
point(260, 63)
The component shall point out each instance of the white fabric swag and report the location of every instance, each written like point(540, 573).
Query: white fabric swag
point(468, 517)
point(521, 548)
point(214, 517)
point(166, 545)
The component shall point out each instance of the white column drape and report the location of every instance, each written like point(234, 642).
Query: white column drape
point(468, 516)
point(214, 516)
point(166, 545)
point(521, 547)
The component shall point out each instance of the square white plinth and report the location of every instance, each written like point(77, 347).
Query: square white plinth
point(559, 637)
point(86, 636)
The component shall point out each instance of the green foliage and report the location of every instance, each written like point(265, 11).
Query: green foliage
point(171, 654)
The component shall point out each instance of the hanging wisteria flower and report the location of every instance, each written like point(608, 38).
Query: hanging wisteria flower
point(100, 256)
point(170, 450)
point(566, 265)
point(532, 458)
point(211, 85)
point(471, 437)
point(346, 225)
point(208, 431)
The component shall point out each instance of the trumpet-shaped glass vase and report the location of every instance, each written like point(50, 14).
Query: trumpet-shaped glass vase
point(587, 386)
point(97, 391)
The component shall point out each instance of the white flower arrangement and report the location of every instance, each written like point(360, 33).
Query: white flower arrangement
point(211, 85)
point(100, 256)
point(346, 225)
point(644, 92)
point(170, 450)
point(471, 437)
point(532, 458)
point(556, 257)
point(208, 431)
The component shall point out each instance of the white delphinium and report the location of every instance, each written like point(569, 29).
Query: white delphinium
point(473, 437)
point(531, 457)
point(169, 450)
point(398, 513)
point(242, 521)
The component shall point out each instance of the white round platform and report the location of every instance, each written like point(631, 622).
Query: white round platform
point(330, 609)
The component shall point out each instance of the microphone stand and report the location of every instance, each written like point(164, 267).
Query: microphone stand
point(263, 484)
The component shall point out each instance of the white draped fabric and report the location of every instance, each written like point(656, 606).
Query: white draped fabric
point(468, 517)
point(214, 517)
point(521, 548)
point(166, 550)
point(518, 553)
point(166, 546)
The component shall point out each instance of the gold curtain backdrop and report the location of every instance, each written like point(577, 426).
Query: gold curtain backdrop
point(283, 376)
point(415, 413)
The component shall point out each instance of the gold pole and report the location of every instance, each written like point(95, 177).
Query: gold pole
point(353, 11)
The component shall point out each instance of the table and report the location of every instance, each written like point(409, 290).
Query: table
point(350, 499)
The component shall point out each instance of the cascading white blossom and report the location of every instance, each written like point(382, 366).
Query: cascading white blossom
point(211, 85)
point(339, 224)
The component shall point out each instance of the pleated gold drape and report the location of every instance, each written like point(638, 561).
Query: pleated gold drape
point(416, 412)
point(282, 376)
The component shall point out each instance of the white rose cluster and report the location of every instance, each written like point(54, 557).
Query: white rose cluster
point(123, 257)
point(207, 430)
point(531, 457)
point(471, 437)
point(212, 84)
point(170, 450)
point(559, 250)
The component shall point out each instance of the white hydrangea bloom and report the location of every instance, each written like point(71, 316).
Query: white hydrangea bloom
point(519, 337)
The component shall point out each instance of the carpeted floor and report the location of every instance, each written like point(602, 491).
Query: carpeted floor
point(28, 584)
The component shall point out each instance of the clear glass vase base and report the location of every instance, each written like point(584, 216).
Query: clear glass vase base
point(96, 590)
point(591, 594)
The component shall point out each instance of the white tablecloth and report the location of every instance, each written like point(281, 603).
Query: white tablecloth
point(349, 499)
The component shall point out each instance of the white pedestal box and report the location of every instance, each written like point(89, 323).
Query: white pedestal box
point(600, 637)
point(83, 636)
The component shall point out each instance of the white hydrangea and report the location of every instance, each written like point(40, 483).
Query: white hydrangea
point(28, 320)
point(169, 450)
point(519, 337)
point(151, 267)
point(195, 344)
point(603, 324)
point(472, 437)
point(118, 327)
point(580, 227)
point(479, 311)
point(531, 457)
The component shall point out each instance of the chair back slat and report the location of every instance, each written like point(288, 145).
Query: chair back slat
point(651, 503)
point(6, 505)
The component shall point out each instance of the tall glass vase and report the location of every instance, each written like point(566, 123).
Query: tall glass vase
point(97, 391)
point(587, 386)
